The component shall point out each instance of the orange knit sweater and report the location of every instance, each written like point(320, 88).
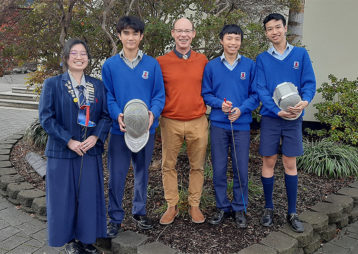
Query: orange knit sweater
point(182, 81)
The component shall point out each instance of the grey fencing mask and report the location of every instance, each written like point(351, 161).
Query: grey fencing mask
point(286, 95)
point(136, 119)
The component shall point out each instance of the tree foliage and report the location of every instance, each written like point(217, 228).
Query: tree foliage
point(10, 15)
point(339, 110)
point(50, 22)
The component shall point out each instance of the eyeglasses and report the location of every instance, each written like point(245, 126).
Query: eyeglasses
point(181, 31)
point(81, 53)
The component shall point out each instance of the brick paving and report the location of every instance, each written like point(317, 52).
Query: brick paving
point(19, 231)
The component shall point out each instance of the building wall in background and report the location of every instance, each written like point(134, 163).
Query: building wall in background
point(331, 38)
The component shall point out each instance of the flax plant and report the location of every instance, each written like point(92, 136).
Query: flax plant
point(329, 158)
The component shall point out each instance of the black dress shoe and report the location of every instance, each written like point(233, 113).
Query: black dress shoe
point(113, 229)
point(219, 217)
point(90, 249)
point(295, 223)
point(267, 218)
point(143, 222)
point(240, 219)
point(73, 248)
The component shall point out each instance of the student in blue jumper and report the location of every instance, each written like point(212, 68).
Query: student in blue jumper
point(131, 74)
point(282, 63)
point(230, 77)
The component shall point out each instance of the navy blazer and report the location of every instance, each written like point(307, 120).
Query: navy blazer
point(58, 114)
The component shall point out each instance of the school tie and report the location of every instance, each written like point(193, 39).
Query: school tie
point(81, 96)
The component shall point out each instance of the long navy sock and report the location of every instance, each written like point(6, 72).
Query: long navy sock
point(291, 182)
point(267, 183)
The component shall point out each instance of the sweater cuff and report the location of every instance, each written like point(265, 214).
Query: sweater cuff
point(156, 111)
point(116, 113)
point(306, 99)
point(243, 110)
point(276, 110)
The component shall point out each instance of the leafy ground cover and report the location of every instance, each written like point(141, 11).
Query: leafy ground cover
point(204, 238)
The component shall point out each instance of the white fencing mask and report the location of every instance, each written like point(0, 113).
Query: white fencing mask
point(286, 95)
point(136, 119)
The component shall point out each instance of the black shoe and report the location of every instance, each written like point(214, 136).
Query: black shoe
point(295, 223)
point(113, 229)
point(240, 219)
point(73, 248)
point(267, 218)
point(90, 249)
point(219, 217)
point(143, 222)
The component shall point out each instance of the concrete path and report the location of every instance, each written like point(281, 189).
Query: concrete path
point(19, 232)
point(9, 81)
point(345, 243)
point(14, 120)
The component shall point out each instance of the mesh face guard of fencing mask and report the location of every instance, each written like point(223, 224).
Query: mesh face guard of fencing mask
point(136, 119)
point(286, 95)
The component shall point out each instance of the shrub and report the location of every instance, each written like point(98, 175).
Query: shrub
point(36, 135)
point(339, 110)
point(329, 158)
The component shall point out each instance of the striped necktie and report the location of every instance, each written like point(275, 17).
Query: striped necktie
point(81, 96)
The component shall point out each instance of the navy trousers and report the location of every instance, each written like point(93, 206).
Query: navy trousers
point(65, 222)
point(119, 158)
point(221, 141)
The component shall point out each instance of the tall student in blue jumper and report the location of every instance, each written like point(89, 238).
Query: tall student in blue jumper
point(282, 63)
point(230, 77)
point(131, 74)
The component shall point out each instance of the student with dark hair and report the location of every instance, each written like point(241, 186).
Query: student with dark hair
point(274, 16)
point(130, 22)
point(76, 212)
point(227, 89)
point(281, 64)
point(231, 29)
point(131, 74)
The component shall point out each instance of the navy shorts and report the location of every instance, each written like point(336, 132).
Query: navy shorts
point(275, 129)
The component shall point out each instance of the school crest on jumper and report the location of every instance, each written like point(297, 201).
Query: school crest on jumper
point(145, 74)
point(296, 65)
point(243, 75)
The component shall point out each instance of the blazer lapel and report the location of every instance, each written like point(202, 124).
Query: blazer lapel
point(91, 91)
point(66, 81)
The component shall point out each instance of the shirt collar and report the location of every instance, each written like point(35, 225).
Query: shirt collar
point(138, 56)
point(223, 58)
point(74, 82)
point(180, 55)
point(273, 51)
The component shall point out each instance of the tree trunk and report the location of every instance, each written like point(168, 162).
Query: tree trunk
point(295, 22)
point(108, 6)
point(65, 19)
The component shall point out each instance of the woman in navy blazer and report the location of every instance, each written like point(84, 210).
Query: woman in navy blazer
point(74, 180)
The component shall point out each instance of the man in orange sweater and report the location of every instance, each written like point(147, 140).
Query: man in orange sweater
point(183, 118)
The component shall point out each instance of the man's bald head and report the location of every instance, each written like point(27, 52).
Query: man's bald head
point(183, 21)
point(183, 33)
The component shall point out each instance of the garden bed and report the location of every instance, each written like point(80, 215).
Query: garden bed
point(204, 238)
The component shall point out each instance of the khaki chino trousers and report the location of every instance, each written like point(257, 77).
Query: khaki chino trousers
point(173, 134)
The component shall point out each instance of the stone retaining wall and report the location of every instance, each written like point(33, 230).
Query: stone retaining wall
point(14, 187)
point(321, 221)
